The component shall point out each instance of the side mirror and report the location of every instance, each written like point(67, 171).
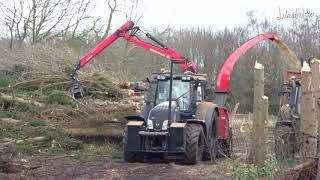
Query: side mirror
point(148, 97)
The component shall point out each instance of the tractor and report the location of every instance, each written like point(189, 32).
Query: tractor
point(288, 122)
point(176, 121)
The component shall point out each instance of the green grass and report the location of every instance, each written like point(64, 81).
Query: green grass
point(37, 123)
point(4, 81)
point(7, 114)
point(251, 172)
point(8, 77)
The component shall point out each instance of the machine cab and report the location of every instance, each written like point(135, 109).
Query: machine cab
point(187, 90)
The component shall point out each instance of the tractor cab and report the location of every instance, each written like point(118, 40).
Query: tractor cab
point(187, 90)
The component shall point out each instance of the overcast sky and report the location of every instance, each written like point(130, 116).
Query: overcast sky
point(214, 13)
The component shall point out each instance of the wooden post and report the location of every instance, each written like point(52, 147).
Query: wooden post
point(262, 131)
point(257, 150)
point(315, 73)
point(308, 122)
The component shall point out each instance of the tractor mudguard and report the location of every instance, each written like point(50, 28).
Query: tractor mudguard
point(198, 121)
point(205, 113)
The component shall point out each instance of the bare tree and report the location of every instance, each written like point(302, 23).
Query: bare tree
point(39, 19)
point(113, 5)
point(10, 20)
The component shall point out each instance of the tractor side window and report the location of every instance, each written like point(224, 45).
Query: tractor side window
point(163, 91)
point(181, 92)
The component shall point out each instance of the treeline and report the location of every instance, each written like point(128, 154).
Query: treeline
point(209, 48)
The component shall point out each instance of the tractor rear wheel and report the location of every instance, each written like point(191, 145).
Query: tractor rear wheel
point(195, 141)
point(129, 156)
point(211, 148)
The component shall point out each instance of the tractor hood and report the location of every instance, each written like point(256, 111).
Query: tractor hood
point(160, 113)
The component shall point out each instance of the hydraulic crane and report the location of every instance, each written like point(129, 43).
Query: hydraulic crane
point(128, 32)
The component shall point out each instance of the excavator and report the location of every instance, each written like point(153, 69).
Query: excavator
point(177, 119)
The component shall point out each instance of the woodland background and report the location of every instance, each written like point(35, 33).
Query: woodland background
point(51, 36)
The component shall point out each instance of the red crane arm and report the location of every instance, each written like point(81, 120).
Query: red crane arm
point(105, 43)
point(223, 78)
point(166, 52)
point(163, 50)
point(123, 32)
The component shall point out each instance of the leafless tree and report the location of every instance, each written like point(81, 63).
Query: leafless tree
point(113, 5)
point(39, 19)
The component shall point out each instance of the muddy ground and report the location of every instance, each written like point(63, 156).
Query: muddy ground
point(106, 168)
point(97, 166)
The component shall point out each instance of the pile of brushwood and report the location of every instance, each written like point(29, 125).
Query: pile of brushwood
point(38, 115)
point(49, 86)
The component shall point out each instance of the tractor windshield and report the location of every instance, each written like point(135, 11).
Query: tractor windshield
point(180, 91)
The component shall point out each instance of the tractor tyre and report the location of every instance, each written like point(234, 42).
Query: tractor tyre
point(195, 142)
point(284, 142)
point(129, 156)
point(211, 148)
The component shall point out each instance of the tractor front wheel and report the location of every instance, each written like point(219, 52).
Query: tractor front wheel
point(195, 141)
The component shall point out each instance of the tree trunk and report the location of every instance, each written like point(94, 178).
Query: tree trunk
point(308, 122)
point(315, 72)
point(257, 151)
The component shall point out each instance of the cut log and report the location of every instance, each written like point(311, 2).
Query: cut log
point(93, 132)
point(128, 92)
point(19, 100)
point(39, 139)
point(125, 85)
point(9, 120)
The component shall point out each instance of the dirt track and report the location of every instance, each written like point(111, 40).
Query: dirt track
point(105, 168)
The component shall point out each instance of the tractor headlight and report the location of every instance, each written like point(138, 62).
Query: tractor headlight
point(165, 125)
point(161, 77)
point(186, 78)
point(150, 124)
